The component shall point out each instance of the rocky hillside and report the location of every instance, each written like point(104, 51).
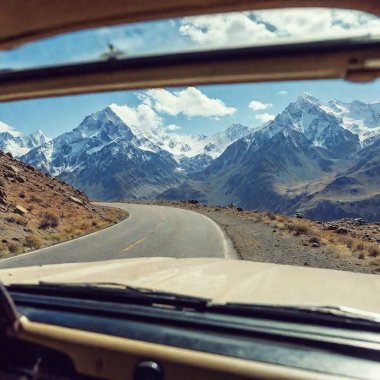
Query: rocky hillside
point(37, 210)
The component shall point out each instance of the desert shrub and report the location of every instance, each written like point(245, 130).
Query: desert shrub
point(35, 199)
point(374, 250)
point(350, 242)
point(33, 241)
point(94, 223)
point(315, 239)
point(22, 195)
point(17, 219)
point(14, 247)
point(270, 215)
point(298, 228)
point(361, 256)
point(48, 220)
point(57, 238)
point(359, 246)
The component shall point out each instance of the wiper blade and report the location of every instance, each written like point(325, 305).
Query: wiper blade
point(328, 314)
point(113, 292)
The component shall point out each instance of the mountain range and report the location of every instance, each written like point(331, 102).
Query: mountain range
point(320, 159)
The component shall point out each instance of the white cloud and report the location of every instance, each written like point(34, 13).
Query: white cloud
point(237, 29)
point(142, 116)
point(223, 29)
point(265, 117)
point(189, 102)
point(255, 105)
point(282, 93)
point(172, 127)
point(7, 128)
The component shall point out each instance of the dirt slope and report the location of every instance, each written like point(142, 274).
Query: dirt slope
point(37, 210)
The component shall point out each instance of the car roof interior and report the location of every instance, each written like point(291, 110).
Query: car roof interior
point(22, 21)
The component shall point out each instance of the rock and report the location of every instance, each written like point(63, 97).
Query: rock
point(192, 201)
point(12, 168)
point(359, 221)
point(331, 227)
point(21, 210)
point(315, 245)
point(76, 200)
point(299, 216)
point(20, 179)
point(342, 231)
point(9, 155)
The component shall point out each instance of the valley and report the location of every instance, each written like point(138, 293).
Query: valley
point(321, 159)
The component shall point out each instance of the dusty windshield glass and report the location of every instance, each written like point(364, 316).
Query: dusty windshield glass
point(193, 33)
point(238, 193)
point(286, 173)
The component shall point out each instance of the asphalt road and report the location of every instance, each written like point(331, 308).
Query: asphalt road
point(149, 231)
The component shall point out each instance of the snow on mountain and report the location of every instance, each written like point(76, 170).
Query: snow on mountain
point(184, 145)
point(14, 142)
point(357, 117)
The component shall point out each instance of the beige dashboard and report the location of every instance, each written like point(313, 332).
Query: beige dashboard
point(111, 357)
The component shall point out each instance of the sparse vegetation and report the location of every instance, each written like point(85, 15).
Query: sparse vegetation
point(33, 241)
point(49, 216)
point(49, 220)
point(17, 219)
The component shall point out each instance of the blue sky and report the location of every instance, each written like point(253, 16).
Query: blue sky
point(198, 111)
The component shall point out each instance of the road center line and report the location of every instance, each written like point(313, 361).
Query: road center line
point(134, 244)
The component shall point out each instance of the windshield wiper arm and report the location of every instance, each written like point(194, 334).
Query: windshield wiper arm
point(113, 292)
point(323, 314)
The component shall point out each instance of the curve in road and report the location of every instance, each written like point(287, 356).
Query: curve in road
point(149, 231)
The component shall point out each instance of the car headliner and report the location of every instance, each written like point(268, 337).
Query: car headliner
point(24, 21)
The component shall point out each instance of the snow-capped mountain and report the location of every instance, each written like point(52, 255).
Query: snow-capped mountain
point(15, 143)
point(20, 145)
point(69, 151)
point(186, 146)
point(360, 118)
point(278, 166)
point(287, 162)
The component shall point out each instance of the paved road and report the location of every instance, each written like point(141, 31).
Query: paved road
point(149, 231)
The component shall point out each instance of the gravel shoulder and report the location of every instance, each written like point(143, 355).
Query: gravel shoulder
point(256, 241)
point(256, 238)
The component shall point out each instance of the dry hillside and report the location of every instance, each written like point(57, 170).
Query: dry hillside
point(37, 210)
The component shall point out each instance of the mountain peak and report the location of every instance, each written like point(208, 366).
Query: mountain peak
point(8, 129)
point(307, 97)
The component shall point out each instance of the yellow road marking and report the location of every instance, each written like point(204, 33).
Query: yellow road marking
point(134, 244)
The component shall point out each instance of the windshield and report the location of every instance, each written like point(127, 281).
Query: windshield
point(231, 30)
point(262, 189)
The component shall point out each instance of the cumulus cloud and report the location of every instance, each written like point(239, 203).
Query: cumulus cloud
point(236, 29)
point(223, 29)
point(142, 116)
point(265, 117)
point(190, 102)
point(256, 105)
point(282, 93)
point(7, 128)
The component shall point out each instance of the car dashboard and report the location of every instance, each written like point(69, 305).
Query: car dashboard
point(66, 334)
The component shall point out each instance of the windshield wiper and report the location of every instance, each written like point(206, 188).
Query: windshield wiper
point(329, 315)
point(113, 292)
point(121, 293)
